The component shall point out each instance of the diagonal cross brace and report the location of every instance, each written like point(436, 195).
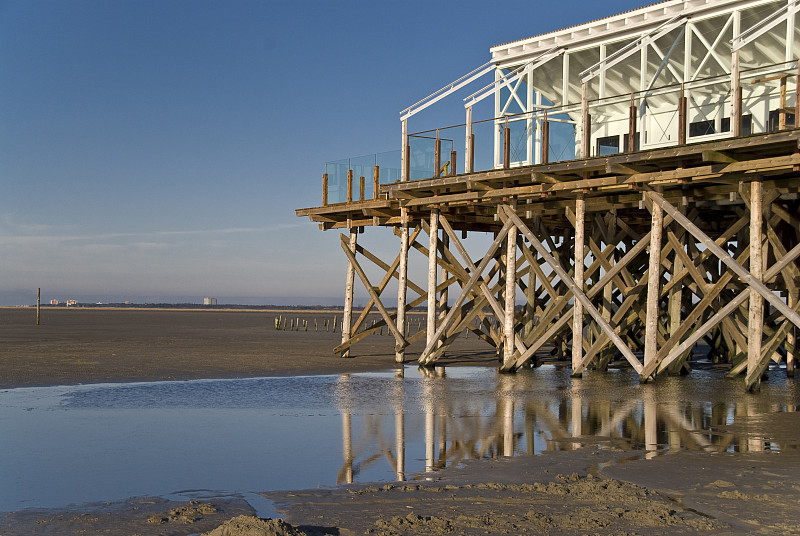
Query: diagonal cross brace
point(726, 259)
point(719, 316)
point(401, 342)
point(498, 311)
point(424, 359)
point(510, 216)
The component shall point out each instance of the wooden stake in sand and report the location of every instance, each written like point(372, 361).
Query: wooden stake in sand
point(38, 305)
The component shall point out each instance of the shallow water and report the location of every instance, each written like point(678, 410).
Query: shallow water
point(72, 445)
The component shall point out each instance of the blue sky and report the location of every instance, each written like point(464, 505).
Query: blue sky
point(155, 150)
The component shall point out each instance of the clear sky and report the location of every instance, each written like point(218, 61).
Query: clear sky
point(155, 150)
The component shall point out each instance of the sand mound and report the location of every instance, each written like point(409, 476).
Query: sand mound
point(254, 526)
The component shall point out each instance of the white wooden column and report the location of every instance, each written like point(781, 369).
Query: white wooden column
point(510, 295)
point(432, 274)
point(402, 284)
point(756, 310)
point(577, 308)
point(347, 318)
point(653, 285)
point(468, 143)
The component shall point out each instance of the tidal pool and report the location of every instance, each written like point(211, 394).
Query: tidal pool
point(106, 442)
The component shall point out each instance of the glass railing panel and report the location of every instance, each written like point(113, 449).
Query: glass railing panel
point(769, 95)
point(521, 130)
point(363, 166)
point(421, 156)
point(337, 180)
point(388, 166)
point(563, 143)
point(708, 111)
point(483, 146)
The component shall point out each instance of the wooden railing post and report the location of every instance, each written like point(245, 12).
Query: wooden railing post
point(349, 185)
point(324, 189)
point(361, 188)
point(453, 156)
point(376, 182)
point(437, 156)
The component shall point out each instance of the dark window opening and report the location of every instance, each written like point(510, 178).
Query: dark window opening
point(701, 128)
point(625, 143)
point(607, 145)
point(747, 124)
point(774, 120)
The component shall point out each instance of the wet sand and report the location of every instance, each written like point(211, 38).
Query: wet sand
point(75, 346)
point(590, 490)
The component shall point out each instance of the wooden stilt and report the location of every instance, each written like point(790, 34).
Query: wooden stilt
point(402, 285)
point(348, 295)
point(433, 231)
point(510, 295)
point(755, 321)
point(577, 308)
point(653, 286)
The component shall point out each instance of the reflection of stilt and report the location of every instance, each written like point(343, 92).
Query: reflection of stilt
point(442, 435)
point(650, 426)
point(577, 418)
point(429, 440)
point(347, 447)
point(400, 442)
point(508, 427)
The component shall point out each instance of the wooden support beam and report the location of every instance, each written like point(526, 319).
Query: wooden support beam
point(510, 216)
point(510, 295)
point(348, 291)
point(726, 259)
point(577, 309)
point(728, 309)
point(653, 286)
point(755, 322)
point(402, 285)
point(433, 232)
point(399, 337)
point(425, 357)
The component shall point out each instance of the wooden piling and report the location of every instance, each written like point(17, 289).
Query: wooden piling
point(38, 305)
point(347, 317)
point(577, 308)
point(433, 246)
point(755, 320)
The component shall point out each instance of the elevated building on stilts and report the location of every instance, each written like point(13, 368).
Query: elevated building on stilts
point(639, 175)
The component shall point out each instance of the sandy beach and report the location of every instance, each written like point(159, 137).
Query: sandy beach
point(598, 488)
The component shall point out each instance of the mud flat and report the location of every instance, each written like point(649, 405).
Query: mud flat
point(587, 491)
point(73, 346)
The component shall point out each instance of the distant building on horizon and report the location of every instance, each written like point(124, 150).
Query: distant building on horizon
point(209, 301)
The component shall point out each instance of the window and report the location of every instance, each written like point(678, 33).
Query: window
point(625, 144)
point(701, 128)
point(774, 120)
point(607, 145)
point(747, 124)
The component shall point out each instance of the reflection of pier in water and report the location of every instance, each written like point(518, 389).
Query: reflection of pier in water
point(517, 423)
